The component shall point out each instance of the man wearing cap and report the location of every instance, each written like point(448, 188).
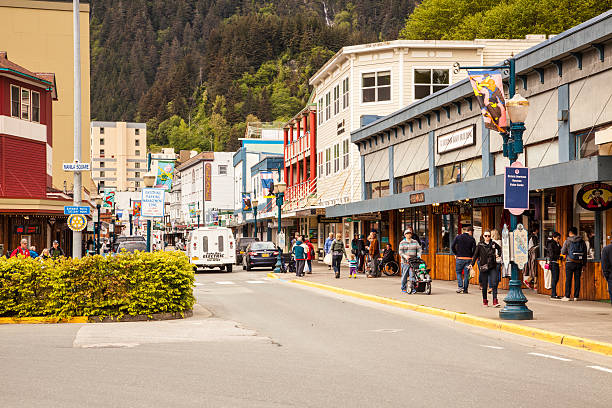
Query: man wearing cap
point(56, 251)
point(408, 248)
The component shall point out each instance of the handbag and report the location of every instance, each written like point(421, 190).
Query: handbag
point(472, 272)
point(327, 259)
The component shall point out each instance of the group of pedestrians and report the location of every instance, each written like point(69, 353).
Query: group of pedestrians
point(303, 253)
point(30, 252)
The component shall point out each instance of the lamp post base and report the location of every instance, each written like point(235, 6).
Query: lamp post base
point(515, 308)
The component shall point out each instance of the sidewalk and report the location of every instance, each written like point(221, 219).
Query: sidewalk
point(587, 319)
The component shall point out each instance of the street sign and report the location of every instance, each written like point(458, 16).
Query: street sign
point(516, 188)
point(74, 209)
point(90, 226)
point(77, 222)
point(152, 202)
point(519, 246)
point(76, 166)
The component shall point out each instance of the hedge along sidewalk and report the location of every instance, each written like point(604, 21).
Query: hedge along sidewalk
point(339, 286)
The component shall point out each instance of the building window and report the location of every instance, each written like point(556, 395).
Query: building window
point(101, 152)
point(462, 171)
point(25, 104)
point(137, 132)
point(596, 141)
point(35, 107)
point(412, 182)
point(102, 174)
point(345, 154)
point(428, 81)
point(137, 165)
point(101, 130)
point(328, 161)
point(137, 174)
point(320, 112)
point(345, 93)
point(14, 101)
point(137, 142)
point(102, 164)
point(336, 157)
point(417, 219)
point(137, 184)
point(321, 165)
point(137, 152)
point(222, 170)
point(327, 106)
point(336, 99)
point(101, 141)
point(377, 189)
point(376, 86)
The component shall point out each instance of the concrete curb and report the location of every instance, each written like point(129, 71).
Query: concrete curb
point(526, 331)
point(94, 319)
point(43, 320)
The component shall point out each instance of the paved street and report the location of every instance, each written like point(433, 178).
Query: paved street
point(256, 342)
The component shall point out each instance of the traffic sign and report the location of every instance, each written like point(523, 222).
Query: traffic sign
point(75, 209)
point(77, 222)
point(516, 188)
point(77, 166)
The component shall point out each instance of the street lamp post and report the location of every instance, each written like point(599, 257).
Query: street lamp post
point(149, 181)
point(254, 204)
point(97, 245)
point(279, 191)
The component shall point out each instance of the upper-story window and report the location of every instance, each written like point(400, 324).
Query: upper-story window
point(137, 152)
point(102, 164)
point(336, 157)
point(101, 130)
point(35, 106)
point(430, 80)
point(345, 154)
point(336, 99)
point(137, 165)
point(25, 104)
point(101, 152)
point(320, 112)
point(321, 165)
point(137, 142)
point(101, 141)
point(327, 106)
point(328, 161)
point(136, 132)
point(222, 170)
point(345, 93)
point(15, 101)
point(376, 86)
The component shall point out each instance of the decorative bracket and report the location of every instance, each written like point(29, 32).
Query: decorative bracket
point(541, 72)
point(447, 109)
point(600, 48)
point(523, 78)
point(559, 65)
point(458, 105)
point(469, 101)
point(578, 57)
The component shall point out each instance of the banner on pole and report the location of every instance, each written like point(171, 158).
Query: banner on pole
point(136, 208)
point(165, 174)
point(516, 188)
point(108, 198)
point(192, 210)
point(489, 90)
point(267, 183)
point(246, 202)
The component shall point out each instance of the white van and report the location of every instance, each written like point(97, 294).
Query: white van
point(212, 247)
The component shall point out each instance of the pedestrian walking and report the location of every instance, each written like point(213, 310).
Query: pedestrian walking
point(606, 267)
point(374, 250)
point(574, 249)
point(299, 253)
point(408, 248)
point(361, 253)
point(56, 251)
point(22, 249)
point(553, 249)
point(496, 237)
point(486, 255)
point(327, 245)
point(337, 250)
point(463, 246)
point(310, 254)
point(353, 267)
point(33, 253)
point(44, 255)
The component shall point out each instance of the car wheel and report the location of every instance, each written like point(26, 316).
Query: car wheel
point(228, 268)
point(222, 267)
point(248, 267)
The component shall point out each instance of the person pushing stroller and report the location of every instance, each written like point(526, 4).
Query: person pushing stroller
point(408, 248)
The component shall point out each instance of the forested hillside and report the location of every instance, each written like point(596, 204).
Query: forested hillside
point(195, 69)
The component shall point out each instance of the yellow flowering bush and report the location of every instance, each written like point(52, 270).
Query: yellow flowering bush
point(139, 283)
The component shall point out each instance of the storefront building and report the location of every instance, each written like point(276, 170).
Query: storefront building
point(434, 166)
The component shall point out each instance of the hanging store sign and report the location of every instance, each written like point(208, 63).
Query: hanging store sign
point(26, 229)
point(595, 197)
point(445, 208)
point(516, 188)
point(491, 201)
point(330, 220)
point(208, 182)
point(520, 246)
point(417, 198)
point(457, 139)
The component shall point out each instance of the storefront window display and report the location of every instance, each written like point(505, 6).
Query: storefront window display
point(451, 218)
point(417, 219)
point(377, 189)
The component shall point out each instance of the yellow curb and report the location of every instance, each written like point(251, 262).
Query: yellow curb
point(272, 275)
point(42, 320)
point(525, 331)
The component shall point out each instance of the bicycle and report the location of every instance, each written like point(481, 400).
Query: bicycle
point(389, 268)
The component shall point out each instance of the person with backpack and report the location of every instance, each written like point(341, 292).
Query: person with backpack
point(486, 254)
point(337, 250)
point(575, 251)
point(22, 249)
point(553, 250)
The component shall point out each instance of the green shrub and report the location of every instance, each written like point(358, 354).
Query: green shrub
point(138, 283)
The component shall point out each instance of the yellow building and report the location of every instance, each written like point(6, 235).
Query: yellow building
point(38, 35)
point(119, 155)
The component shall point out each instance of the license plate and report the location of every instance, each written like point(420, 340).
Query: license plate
point(195, 258)
point(265, 255)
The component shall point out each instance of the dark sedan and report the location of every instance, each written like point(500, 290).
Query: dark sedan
point(260, 254)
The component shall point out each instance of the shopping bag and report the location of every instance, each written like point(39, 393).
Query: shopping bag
point(306, 268)
point(327, 259)
point(472, 272)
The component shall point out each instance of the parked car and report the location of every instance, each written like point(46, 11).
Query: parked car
point(212, 247)
point(122, 239)
point(241, 245)
point(131, 246)
point(260, 254)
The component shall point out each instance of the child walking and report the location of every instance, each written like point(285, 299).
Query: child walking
point(352, 267)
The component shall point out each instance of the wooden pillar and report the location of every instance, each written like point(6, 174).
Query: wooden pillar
point(488, 218)
point(433, 243)
point(565, 209)
point(290, 181)
point(393, 218)
point(298, 124)
point(305, 171)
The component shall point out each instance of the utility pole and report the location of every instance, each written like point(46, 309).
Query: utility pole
point(76, 189)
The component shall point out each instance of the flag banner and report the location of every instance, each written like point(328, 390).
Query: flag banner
point(267, 183)
point(246, 202)
point(108, 199)
point(489, 90)
point(136, 207)
point(165, 175)
point(192, 210)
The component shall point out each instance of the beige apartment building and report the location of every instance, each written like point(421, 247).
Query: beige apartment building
point(118, 155)
point(38, 34)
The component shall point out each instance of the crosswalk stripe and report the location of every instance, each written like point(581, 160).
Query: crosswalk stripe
point(225, 283)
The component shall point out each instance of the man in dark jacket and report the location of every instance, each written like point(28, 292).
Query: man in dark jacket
point(553, 252)
point(574, 249)
point(56, 251)
point(486, 255)
point(606, 266)
point(463, 247)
